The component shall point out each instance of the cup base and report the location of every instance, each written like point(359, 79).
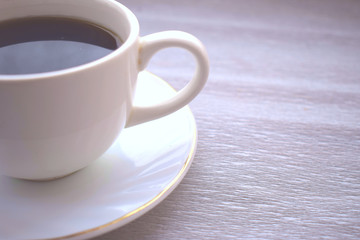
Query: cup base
point(49, 179)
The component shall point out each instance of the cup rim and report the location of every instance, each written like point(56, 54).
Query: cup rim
point(131, 38)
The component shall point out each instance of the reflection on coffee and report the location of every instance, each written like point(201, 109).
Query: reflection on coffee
point(43, 44)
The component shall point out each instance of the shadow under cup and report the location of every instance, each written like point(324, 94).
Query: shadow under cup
point(55, 123)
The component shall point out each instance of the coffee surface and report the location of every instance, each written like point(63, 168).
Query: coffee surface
point(43, 44)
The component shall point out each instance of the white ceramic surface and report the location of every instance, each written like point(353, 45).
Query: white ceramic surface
point(140, 169)
point(49, 119)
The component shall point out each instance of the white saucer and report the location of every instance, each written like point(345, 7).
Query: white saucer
point(142, 167)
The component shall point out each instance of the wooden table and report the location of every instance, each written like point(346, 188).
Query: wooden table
point(279, 120)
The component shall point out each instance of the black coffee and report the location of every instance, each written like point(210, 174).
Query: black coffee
point(43, 44)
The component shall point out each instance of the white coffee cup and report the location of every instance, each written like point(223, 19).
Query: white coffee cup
point(55, 123)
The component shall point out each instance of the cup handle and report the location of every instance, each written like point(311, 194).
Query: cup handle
point(151, 44)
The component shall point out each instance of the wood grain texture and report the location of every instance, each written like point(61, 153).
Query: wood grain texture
point(279, 120)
